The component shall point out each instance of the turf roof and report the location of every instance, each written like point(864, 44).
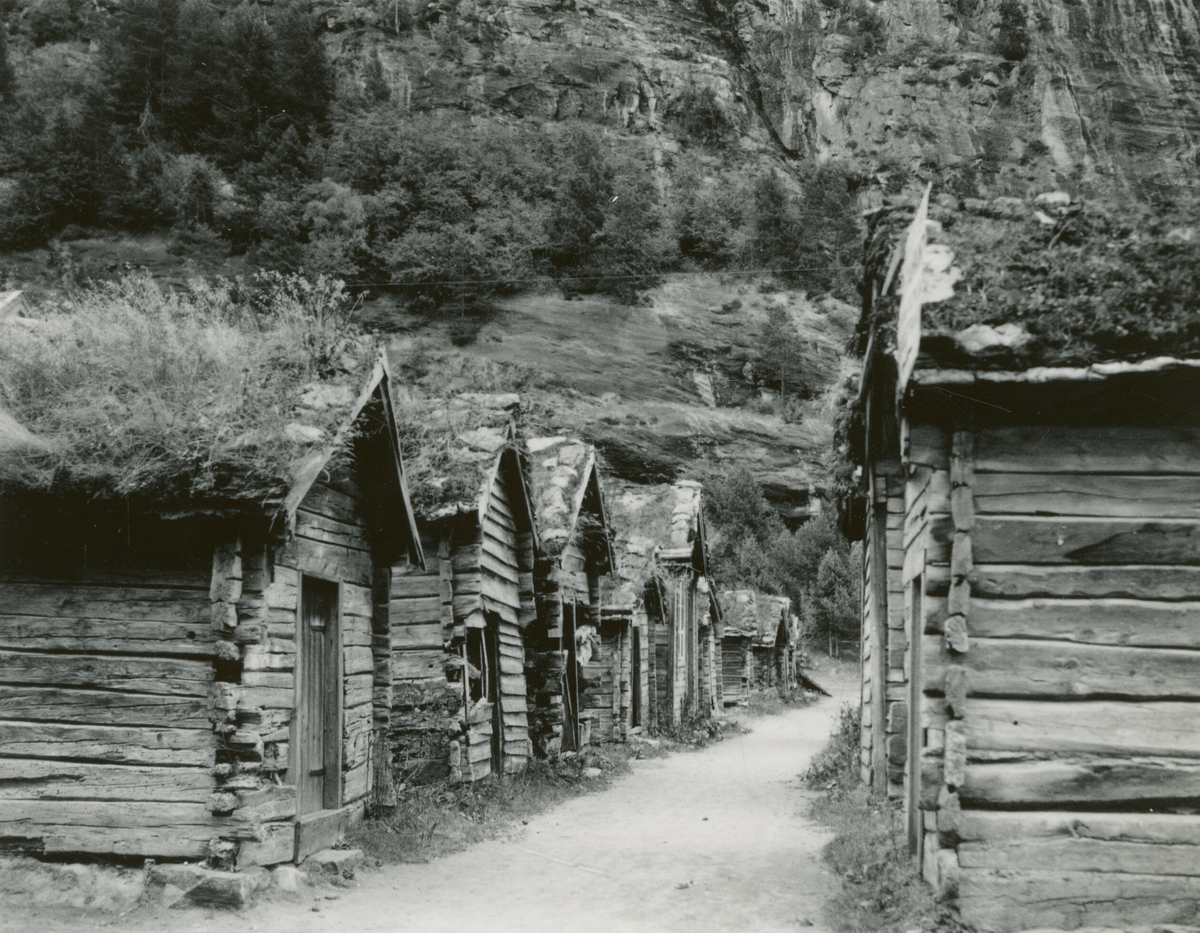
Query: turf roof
point(1047, 282)
point(215, 396)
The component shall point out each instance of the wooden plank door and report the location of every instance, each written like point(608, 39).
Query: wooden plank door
point(491, 653)
point(318, 697)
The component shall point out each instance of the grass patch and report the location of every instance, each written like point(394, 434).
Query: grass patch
point(881, 889)
point(435, 820)
point(137, 390)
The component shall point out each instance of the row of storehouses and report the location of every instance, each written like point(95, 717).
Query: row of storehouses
point(178, 682)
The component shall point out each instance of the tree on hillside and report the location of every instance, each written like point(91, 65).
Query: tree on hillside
point(782, 353)
point(8, 77)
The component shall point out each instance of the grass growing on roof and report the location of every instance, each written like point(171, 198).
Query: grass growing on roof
point(144, 392)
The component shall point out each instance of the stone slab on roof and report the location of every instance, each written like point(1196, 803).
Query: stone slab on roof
point(451, 446)
point(750, 614)
point(560, 469)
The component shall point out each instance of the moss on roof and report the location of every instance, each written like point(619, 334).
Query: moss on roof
point(750, 614)
point(215, 394)
point(644, 521)
point(450, 446)
point(1049, 281)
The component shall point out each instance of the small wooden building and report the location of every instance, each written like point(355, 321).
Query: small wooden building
point(1031, 659)
point(756, 650)
point(664, 574)
point(459, 702)
point(196, 672)
point(577, 657)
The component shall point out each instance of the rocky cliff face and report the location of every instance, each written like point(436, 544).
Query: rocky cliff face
point(1104, 96)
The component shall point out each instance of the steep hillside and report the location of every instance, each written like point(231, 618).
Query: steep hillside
point(727, 148)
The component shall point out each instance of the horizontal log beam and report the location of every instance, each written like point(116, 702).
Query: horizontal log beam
point(104, 707)
point(113, 672)
point(1017, 667)
point(1063, 449)
point(1145, 581)
point(116, 744)
point(1101, 727)
point(1135, 782)
point(1088, 494)
point(1104, 621)
point(38, 779)
point(1002, 902)
point(1085, 541)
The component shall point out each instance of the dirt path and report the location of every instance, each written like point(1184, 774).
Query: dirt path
point(712, 840)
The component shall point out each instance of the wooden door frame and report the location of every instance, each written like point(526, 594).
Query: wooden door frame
point(331, 796)
point(915, 743)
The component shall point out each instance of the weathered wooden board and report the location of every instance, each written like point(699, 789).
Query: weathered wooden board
point(112, 672)
point(35, 779)
point(107, 635)
point(415, 586)
point(417, 665)
point(1062, 449)
point(127, 603)
point(1032, 540)
point(1003, 901)
point(1014, 581)
point(165, 842)
point(424, 635)
point(103, 707)
point(1100, 727)
point(1088, 494)
point(329, 560)
point(1104, 621)
point(348, 534)
point(1137, 782)
point(116, 744)
point(322, 500)
point(1018, 667)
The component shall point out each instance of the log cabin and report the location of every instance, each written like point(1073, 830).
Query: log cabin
point(577, 657)
point(1024, 470)
point(459, 703)
point(756, 649)
point(664, 577)
point(195, 672)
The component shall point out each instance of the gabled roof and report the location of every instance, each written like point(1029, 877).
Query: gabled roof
point(565, 482)
point(370, 420)
point(757, 616)
point(452, 447)
point(655, 527)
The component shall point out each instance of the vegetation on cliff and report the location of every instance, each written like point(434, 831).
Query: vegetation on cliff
point(237, 134)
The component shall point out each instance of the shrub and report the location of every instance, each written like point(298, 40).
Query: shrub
point(700, 115)
point(1012, 39)
point(53, 20)
point(866, 26)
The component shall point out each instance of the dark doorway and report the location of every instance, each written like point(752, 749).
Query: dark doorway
point(635, 679)
point(570, 738)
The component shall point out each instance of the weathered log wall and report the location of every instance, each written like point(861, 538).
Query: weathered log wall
point(477, 573)
point(107, 680)
point(1059, 661)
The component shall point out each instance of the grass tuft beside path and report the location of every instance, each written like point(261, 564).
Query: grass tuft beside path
point(881, 890)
